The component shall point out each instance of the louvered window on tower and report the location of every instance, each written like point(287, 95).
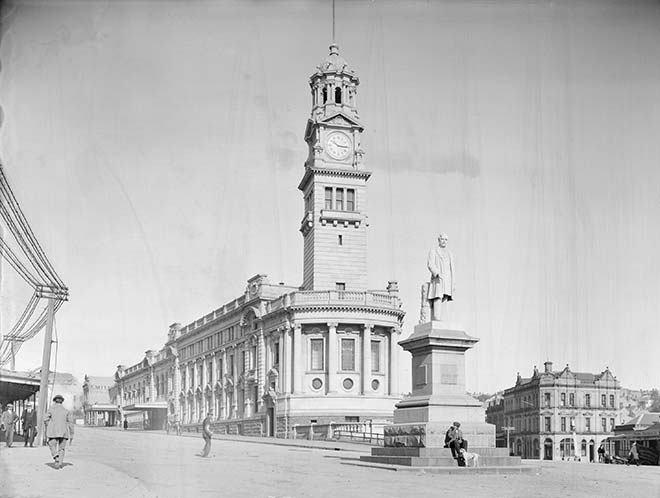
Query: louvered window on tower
point(328, 197)
point(339, 201)
point(337, 95)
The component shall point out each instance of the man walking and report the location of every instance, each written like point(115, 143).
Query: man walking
point(8, 421)
point(206, 434)
point(29, 424)
point(59, 429)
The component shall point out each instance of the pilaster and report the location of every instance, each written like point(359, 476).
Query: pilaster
point(332, 357)
point(366, 357)
point(298, 364)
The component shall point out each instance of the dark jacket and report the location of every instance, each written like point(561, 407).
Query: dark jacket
point(29, 419)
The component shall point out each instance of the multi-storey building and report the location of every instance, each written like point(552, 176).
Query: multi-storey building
point(557, 415)
point(96, 401)
point(277, 355)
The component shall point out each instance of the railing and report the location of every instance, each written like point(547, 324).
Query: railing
point(365, 432)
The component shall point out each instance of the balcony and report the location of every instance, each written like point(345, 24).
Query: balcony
point(345, 218)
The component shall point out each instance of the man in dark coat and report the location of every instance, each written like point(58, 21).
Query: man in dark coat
point(59, 429)
point(29, 424)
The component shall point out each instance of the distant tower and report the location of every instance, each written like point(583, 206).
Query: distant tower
point(334, 184)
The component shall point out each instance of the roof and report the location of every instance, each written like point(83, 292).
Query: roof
point(99, 381)
point(646, 418)
point(335, 62)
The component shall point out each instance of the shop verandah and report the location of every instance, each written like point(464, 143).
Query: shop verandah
point(17, 389)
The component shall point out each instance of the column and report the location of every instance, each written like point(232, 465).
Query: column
point(225, 408)
point(393, 348)
point(213, 376)
point(286, 361)
point(366, 357)
point(260, 373)
point(332, 358)
point(297, 367)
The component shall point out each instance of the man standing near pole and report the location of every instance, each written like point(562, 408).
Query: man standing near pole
point(59, 429)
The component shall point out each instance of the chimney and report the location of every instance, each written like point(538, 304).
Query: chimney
point(548, 366)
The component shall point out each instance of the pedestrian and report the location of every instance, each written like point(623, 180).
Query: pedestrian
point(59, 429)
point(457, 443)
point(633, 455)
point(601, 453)
point(206, 434)
point(8, 422)
point(125, 424)
point(29, 424)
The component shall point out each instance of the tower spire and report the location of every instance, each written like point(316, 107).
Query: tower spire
point(333, 22)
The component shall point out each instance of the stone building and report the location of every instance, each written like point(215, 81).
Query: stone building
point(557, 415)
point(96, 401)
point(277, 355)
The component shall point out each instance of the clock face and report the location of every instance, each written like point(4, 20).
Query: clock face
point(338, 146)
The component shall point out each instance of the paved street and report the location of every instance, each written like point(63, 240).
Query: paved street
point(106, 463)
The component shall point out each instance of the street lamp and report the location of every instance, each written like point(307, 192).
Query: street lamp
point(508, 431)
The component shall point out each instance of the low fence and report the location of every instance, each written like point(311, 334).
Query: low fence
point(365, 432)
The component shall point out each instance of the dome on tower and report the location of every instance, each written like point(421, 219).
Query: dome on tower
point(334, 62)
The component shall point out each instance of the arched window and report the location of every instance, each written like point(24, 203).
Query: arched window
point(325, 95)
point(337, 95)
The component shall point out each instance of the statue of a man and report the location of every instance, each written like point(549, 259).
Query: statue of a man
point(441, 288)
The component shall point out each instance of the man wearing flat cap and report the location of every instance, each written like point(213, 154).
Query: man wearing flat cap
point(59, 429)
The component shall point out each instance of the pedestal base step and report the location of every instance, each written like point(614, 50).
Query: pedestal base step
point(438, 457)
point(513, 469)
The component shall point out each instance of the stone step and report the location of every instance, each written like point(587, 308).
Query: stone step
point(509, 469)
point(434, 452)
point(412, 461)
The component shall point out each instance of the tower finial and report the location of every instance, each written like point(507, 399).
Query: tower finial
point(333, 21)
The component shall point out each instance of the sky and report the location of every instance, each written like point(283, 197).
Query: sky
point(156, 149)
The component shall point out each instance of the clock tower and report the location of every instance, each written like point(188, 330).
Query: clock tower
point(334, 184)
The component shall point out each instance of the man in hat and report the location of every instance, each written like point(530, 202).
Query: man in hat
point(29, 423)
point(8, 421)
point(59, 429)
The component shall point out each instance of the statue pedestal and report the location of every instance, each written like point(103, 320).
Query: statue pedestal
point(438, 391)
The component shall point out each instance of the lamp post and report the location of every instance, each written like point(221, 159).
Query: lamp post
point(508, 431)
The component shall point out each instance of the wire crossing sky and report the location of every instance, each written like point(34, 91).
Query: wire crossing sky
point(156, 148)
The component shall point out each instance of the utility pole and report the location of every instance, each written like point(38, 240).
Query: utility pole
point(45, 369)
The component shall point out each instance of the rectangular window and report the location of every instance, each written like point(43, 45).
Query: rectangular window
point(276, 353)
point(316, 349)
point(348, 354)
point(603, 424)
point(340, 286)
point(375, 356)
point(231, 365)
point(611, 424)
point(328, 197)
point(350, 199)
point(220, 373)
point(563, 399)
point(611, 400)
point(546, 396)
point(340, 240)
point(339, 199)
point(572, 423)
point(587, 424)
point(571, 399)
point(563, 424)
point(211, 372)
point(587, 400)
point(603, 400)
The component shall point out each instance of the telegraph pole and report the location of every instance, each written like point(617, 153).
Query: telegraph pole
point(45, 368)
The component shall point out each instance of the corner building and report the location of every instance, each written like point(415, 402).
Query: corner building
point(557, 415)
point(278, 356)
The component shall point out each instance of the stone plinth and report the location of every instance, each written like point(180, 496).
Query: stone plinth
point(438, 391)
point(438, 398)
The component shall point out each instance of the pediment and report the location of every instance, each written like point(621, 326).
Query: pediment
point(606, 377)
point(566, 374)
point(340, 119)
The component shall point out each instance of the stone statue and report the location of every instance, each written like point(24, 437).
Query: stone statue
point(440, 263)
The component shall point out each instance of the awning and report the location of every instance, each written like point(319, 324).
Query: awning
point(17, 386)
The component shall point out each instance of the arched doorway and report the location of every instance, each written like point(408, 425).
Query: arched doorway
point(547, 449)
point(537, 449)
point(592, 443)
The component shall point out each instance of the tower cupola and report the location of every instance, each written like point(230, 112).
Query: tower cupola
point(334, 86)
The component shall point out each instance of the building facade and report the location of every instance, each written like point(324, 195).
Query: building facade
point(557, 415)
point(277, 356)
point(96, 406)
